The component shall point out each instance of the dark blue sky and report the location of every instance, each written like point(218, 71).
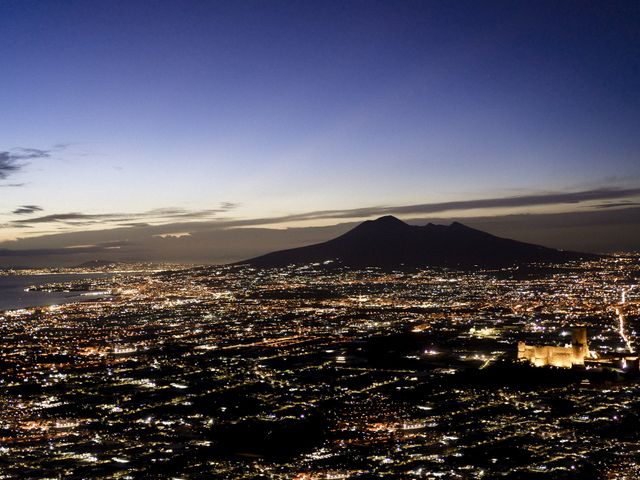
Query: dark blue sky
point(290, 107)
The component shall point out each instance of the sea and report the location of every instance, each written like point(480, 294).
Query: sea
point(13, 295)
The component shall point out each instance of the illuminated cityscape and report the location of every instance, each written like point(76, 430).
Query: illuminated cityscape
point(308, 372)
point(320, 240)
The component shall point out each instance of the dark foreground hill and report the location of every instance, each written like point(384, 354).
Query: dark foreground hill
point(390, 243)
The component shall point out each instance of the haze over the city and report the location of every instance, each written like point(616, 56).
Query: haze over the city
point(152, 130)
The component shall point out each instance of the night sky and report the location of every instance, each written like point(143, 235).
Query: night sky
point(187, 115)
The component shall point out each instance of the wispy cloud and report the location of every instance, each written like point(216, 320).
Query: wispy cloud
point(12, 185)
point(12, 161)
point(72, 250)
point(151, 217)
point(519, 201)
point(229, 205)
point(617, 205)
point(27, 209)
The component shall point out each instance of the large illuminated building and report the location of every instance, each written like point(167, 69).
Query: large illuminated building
point(565, 357)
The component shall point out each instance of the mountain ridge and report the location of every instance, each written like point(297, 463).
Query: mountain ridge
point(391, 243)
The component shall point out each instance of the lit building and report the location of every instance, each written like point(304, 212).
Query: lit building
point(565, 357)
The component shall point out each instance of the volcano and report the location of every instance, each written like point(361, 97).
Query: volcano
point(391, 243)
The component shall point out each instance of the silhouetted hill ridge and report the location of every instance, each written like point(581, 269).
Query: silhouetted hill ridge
point(390, 242)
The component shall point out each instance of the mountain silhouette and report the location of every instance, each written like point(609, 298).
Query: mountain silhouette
point(391, 243)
